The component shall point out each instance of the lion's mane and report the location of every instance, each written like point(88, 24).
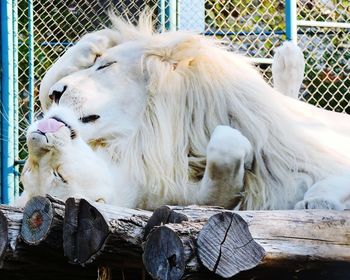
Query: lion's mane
point(194, 84)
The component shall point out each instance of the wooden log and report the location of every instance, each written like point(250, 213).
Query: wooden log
point(292, 241)
point(295, 242)
point(11, 219)
point(295, 235)
point(164, 256)
point(163, 215)
point(43, 222)
point(103, 234)
point(226, 247)
point(223, 244)
point(3, 235)
point(22, 261)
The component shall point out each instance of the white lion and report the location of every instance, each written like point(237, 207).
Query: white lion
point(185, 121)
point(61, 164)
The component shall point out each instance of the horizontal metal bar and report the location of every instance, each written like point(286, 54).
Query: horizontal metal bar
point(323, 24)
point(244, 33)
point(260, 60)
point(54, 43)
point(278, 33)
point(20, 162)
point(211, 33)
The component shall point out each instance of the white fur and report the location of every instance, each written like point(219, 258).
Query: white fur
point(64, 167)
point(288, 69)
point(160, 103)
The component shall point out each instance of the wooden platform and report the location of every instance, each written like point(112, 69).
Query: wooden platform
point(78, 239)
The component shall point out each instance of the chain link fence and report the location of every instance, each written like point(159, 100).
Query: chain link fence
point(251, 27)
point(326, 48)
point(57, 26)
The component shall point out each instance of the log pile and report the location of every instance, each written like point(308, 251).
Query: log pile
point(79, 239)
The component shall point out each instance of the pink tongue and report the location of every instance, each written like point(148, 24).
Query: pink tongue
point(50, 125)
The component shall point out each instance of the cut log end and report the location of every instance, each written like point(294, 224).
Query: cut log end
point(226, 247)
point(161, 216)
point(85, 231)
point(38, 215)
point(3, 235)
point(163, 255)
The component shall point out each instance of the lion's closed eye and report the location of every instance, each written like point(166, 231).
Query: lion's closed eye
point(105, 65)
point(59, 176)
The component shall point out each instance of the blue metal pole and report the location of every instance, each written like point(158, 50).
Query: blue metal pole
point(170, 14)
point(291, 20)
point(31, 60)
point(161, 14)
point(7, 102)
point(15, 192)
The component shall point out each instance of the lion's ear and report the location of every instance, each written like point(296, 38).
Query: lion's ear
point(175, 54)
point(168, 62)
point(183, 63)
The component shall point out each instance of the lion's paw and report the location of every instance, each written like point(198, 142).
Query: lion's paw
point(318, 203)
point(288, 69)
point(228, 144)
point(228, 151)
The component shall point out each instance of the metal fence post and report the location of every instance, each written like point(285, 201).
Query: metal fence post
point(161, 14)
point(170, 15)
point(31, 60)
point(291, 20)
point(167, 14)
point(15, 188)
point(8, 101)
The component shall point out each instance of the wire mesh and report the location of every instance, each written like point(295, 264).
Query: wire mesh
point(324, 10)
point(57, 25)
point(327, 54)
point(251, 27)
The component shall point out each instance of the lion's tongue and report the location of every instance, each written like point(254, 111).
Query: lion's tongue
point(49, 125)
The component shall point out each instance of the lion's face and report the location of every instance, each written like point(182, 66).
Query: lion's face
point(57, 129)
point(108, 97)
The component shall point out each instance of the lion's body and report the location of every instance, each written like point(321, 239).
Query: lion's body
point(160, 97)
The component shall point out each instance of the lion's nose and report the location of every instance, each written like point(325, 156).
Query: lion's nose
point(56, 92)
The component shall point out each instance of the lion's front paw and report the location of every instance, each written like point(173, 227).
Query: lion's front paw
point(318, 203)
point(228, 152)
point(228, 145)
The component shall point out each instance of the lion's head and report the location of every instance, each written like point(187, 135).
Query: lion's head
point(153, 100)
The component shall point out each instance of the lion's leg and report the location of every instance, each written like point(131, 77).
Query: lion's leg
point(331, 193)
point(288, 69)
point(229, 154)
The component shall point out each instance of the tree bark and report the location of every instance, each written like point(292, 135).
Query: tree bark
point(300, 244)
point(222, 244)
point(11, 219)
point(103, 234)
point(43, 222)
point(19, 260)
point(207, 239)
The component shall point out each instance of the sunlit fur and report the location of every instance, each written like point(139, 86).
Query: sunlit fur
point(185, 86)
point(61, 164)
point(288, 69)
